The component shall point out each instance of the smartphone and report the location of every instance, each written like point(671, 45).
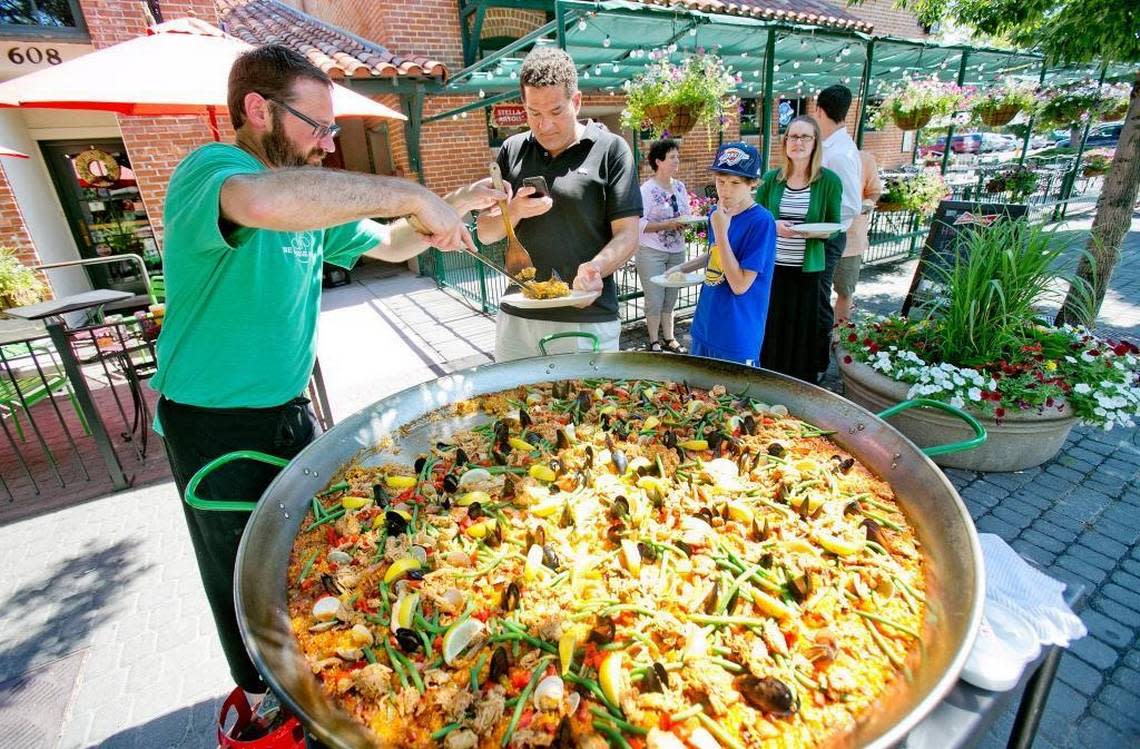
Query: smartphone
point(539, 185)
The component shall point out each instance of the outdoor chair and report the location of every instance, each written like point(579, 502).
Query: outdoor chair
point(22, 385)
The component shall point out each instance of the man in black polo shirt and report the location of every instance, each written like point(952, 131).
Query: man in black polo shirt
point(586, 228)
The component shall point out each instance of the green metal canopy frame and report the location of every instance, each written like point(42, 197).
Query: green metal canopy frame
point(611, 41)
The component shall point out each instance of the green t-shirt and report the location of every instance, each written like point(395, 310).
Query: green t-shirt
point(241, 307)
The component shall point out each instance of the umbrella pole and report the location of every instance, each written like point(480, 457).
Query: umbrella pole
point(212, 113)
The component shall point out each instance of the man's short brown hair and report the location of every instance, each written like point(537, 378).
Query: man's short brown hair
point(271, 71)
point(548, 66)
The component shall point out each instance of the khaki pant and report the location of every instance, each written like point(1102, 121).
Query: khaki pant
point(517, 337)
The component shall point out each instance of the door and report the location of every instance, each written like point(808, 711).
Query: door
point(104, 210)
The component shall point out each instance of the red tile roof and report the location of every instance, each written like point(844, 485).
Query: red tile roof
point(813, 12)
point(333, 50)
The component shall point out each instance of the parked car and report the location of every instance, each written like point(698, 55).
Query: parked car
point(968, 143)
point(1107, 134)
point(992, 142)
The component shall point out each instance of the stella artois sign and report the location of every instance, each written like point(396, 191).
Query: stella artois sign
point(508, 115)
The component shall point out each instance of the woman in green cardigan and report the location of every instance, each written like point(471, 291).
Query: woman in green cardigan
point(800, 191)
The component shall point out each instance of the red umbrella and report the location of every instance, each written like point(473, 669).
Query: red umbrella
point(180, 67)
point(14, 154)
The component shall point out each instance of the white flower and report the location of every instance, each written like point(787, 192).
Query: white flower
point(1082, 388)
point(957, 402)
point(974, 394)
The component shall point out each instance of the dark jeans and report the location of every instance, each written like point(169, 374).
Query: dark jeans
point(193, 437)
point(833, 250)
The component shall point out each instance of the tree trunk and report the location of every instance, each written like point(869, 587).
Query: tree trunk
point(1113, 218)
point(1076, 129)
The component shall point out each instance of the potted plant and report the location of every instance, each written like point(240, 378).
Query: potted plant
point(1070, 106)
point(697, 234)
point(672, 99)
point(19, 284)
point(998, 106)
point(1118, 95)
point(982, 345)
point(1019, 181)
point(913, 103)
point(916, 193)
point(1096, 163)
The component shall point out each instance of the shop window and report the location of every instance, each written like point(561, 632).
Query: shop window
point(749, 116)
point(42, 18)
point(789, 109)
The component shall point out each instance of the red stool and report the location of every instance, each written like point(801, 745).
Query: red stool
point(288, 735)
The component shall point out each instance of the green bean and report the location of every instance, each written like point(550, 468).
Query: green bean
point(442, 733)
point(475, 671)
point(729, 592)
point(426, 640)
point(412, 670)
point(334, 515)
point(423, 623)
point(318, 509)
point(883, 620)
point(595, 689)
point(685, 714)
point(623, 725)
point(307, 566)
point(746, 621)
point(396, 665)
point(523, 697)
point(727, 665)
point(892, 656)
point(337, 487)
point(369, 654)
point(614, 735)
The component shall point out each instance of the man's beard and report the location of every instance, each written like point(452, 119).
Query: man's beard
point(281, 153)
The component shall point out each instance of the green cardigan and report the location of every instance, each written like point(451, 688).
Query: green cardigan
point(823, 207)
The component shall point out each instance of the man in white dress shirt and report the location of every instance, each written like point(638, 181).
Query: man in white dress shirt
point(841, 156)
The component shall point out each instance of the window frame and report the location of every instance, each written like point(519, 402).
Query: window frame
point(77, 33)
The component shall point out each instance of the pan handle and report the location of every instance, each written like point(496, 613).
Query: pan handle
point(571, 334)
point(226, 505)
point(954, 447)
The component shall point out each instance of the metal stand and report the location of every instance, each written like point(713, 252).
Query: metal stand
point(74, 374)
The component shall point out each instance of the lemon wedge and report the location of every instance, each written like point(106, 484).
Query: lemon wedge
point(542, 472)
point(519, 443)
point(458, 637)
point(533, 562)
point(400, 482)
point(631, 556)
point(403, 613)
point(400, 567)
point(470, 498)
point(770, 605)
point(695, 445)
point(355, 503)
point(838, 546)
point(481, 529)
point(567, 644)
point(547, 507)
point(609, 676)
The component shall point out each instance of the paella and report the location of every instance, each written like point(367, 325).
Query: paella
point(610, 563)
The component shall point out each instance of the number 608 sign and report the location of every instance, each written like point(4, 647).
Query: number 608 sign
point(33, 55)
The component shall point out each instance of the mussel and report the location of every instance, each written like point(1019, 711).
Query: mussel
point(619, 508)
point(760, 532)
point(713, 437)
point(648, 553)
point(875, 533)
point(499, 664)
point(684, 547)
point(502, 432)
point(408, 640)
point(419, 464)
point(710, 602)
point(800, 587)
point(589, 456)
point(550, 557)
point(331, 586)
point(498, 456)
point(670, 440)
point(511, 597)
point(615, 533)
point(561, 439)
point(621, 430)
point(776, 450)
point(395, 523)
point(651, 682)
point(603, 632)
point(767, 694)
point(705, 514)
point(415, 574)
point(604, 421)
point(662, 674)
point(451, 483)
point(494, 537)
point(380, 495)
point(474, 510)
point(748, 424)
point(536, 537)
point(533, 438)
point(461, 458)
point(566, 519)
point(524, 418)
point(565, 738)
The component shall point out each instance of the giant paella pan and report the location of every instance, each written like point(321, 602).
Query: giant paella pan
point(620, 550)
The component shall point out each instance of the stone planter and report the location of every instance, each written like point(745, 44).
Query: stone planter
point(1022, 439)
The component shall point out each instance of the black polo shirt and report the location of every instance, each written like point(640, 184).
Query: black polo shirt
point(593, 182)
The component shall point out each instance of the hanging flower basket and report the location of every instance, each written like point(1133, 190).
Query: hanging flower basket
point(998, 117)
point(678, 121)
point(889, 206)
point(677, 97)
point(1116, 114)
point(914, 119)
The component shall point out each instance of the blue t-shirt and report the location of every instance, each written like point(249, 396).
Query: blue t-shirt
point(731, 323)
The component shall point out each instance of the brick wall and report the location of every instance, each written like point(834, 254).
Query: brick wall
point(455, 152)
point(511, 22)
point(365, 18)
point(887, 19)
point(13, 230)
point(424, 27)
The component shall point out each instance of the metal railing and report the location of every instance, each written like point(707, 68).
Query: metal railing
point(892, 236)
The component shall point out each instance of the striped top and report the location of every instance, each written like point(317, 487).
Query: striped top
point(793, 208)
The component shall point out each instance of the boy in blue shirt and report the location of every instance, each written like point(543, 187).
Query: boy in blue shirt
point(733, 307)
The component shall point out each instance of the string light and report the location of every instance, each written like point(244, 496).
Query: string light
point(581, 24)
point(606, 42)
point(818, 60)
point(693, 31)
point(845, 51)
point(796, 64)
point(775, 69)
point(598, 70)
point(514, 75)
point(482, 93)
point(803, 43)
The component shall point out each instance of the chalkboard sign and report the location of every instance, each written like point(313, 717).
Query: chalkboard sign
point(951, 222)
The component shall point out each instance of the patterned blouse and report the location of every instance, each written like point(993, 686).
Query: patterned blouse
point(660, 204)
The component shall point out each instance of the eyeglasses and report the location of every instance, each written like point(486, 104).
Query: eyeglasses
point(800, 138)
point(320, 130)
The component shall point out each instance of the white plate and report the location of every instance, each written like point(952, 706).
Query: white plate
point(688, 279)
point(576, 297)
point(817, 231)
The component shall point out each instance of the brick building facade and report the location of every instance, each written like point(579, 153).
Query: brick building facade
point(360, 42)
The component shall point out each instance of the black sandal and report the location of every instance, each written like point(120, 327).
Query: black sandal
point(674, 347)
point(654, 346)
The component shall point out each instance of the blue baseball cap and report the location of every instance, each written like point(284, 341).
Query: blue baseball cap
point(737, 158)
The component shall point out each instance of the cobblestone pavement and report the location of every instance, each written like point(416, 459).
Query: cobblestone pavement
point(112, 585)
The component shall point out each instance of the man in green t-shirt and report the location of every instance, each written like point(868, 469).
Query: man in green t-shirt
point(248, 226)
